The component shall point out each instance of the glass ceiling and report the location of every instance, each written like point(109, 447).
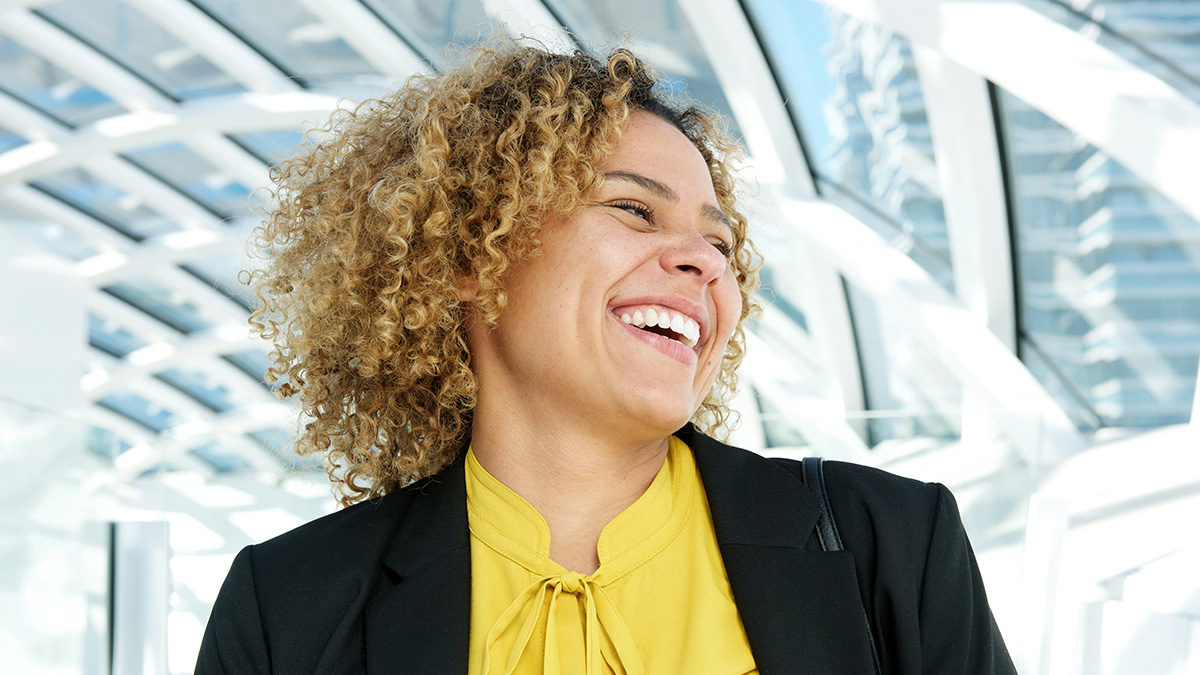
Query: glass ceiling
point(1109, 280)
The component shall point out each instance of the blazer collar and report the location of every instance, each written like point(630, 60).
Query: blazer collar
point(422, 624)
point(801, 608)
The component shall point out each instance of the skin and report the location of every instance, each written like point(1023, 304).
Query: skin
point(575, 406)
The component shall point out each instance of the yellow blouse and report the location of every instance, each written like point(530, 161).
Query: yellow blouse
point(660, 601)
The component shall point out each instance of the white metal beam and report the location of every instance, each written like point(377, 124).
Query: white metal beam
point(373, 40)
point(242, 113)
point(737, 59)
point(94, 67)
point(1132, 116)
point(529, 19)
point(1034, 422)
point(214, 42)
point(967, 156)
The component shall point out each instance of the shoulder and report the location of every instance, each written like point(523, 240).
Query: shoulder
point(364, 526)
point(880, 511)
point(343, 550)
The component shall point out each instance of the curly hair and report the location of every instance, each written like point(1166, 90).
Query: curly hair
point(407, 194)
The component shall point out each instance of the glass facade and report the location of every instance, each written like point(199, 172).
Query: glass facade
point(1109, 277)
point(46, 87)
point(854, 95)
point(433, 28)
point(195, 176)
point(303, 46)
point(123, 32)
point(1161, 36)
point(108, 203)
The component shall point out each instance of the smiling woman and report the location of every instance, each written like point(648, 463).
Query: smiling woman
point(511, 298)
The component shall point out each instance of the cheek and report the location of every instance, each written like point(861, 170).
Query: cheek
point(728, 298)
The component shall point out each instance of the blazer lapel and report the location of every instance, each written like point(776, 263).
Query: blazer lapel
point(422, 624)
point(802, 609)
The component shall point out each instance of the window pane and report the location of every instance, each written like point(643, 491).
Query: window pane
point(169, 306)
point(53, 236)
point(900, 375)
point(301, 44)
point(852, 88)
point(121, 31)
point(222, 455)
point(137, 408)
point(190, 173)
point(107, 203)
point(1161, 37)
point(434, 25)
point(660, 34)
point(201, 386)
point(10, 140)
point(271, 147)
point(49, 88)
point(1109, 277)
point(108, 336)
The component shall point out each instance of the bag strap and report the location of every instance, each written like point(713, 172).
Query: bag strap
point(812, 474)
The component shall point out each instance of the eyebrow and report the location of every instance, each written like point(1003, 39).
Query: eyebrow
point(662, 191)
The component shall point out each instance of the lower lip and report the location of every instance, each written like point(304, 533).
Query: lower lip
point(671, 348)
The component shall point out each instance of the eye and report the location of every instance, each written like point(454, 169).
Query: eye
point(725, 249)
point(636, 208)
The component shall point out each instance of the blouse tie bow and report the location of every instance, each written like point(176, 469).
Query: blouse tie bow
point(606, 638)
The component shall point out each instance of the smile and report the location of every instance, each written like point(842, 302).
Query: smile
point(665, 322)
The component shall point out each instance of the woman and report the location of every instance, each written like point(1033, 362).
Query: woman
point(511, 298)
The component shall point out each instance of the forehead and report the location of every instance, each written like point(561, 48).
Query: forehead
point(652, 147)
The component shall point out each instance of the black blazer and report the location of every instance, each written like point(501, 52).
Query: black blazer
point(385, 586)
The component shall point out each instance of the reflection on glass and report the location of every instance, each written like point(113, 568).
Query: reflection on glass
point(660, 33)
point(852, 88)
point(50, 89)
point(434, 26)
point(169, 306)
point(123, 211)
point(49, 234)
point(139, 409)
point(187, 171)
point(109, 337)
point(119, 29)
point(900, 374)
point(293, 38)
point(1109, 277)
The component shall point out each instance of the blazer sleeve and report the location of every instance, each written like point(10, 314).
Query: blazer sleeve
point(234, 641)
point(958, 631)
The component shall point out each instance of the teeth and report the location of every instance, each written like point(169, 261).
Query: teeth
point(678, 323)
point(687, 329)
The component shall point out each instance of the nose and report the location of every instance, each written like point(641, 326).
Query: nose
point(693, 255)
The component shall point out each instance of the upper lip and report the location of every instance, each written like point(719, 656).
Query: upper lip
point(689, 308)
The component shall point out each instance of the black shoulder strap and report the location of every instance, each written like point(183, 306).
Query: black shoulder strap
point(812, 474)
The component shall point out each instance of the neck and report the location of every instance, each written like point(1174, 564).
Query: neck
point(577, 479)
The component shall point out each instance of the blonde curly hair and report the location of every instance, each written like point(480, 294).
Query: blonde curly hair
point(404, 196)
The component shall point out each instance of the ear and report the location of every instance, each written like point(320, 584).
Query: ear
point(468, 288)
